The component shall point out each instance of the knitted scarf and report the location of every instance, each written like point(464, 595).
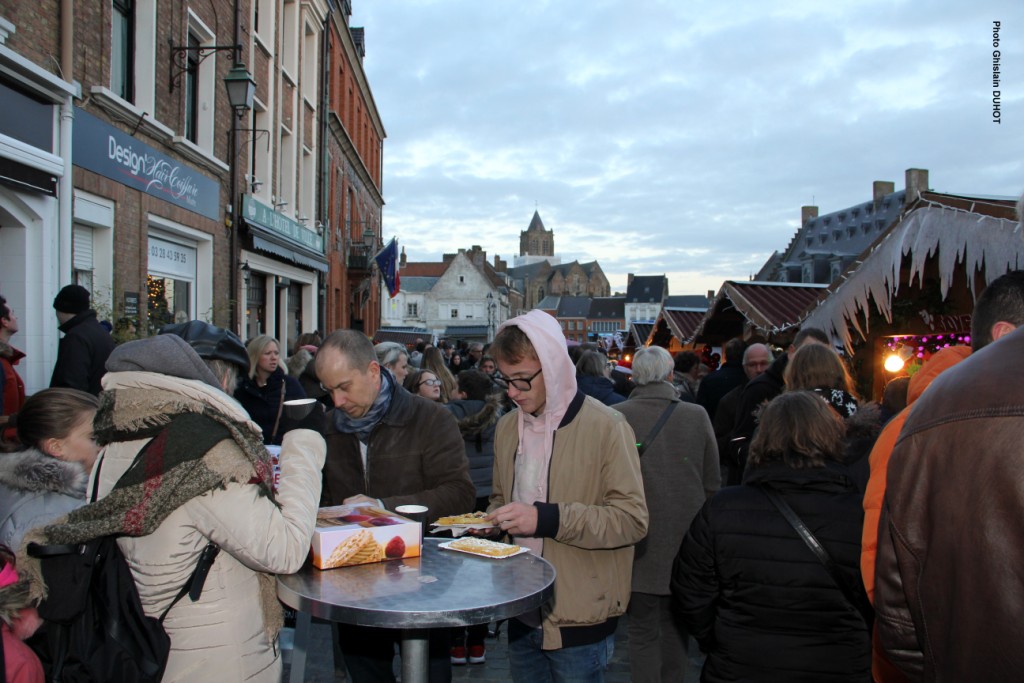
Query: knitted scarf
point(182, 460)
point(362, 426)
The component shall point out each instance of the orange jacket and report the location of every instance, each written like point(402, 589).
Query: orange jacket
point(883, 671)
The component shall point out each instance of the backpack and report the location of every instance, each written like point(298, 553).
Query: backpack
point(96, 629)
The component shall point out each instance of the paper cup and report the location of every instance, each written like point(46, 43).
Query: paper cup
point(417, 513)
point(299, 408)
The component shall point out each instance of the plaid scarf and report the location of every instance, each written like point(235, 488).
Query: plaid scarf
point(181, 461)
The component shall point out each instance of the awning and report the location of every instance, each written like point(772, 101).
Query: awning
point(264, 242)
point(768, 308)
point(407, 337)
point(466, 331)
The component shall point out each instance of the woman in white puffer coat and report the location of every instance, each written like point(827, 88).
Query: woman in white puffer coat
point(203, 436)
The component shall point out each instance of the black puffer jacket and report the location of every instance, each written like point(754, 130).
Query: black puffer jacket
point(754, 596)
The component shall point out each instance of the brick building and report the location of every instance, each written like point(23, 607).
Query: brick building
point(136, 154)
point(118, 150)
point(353, 198)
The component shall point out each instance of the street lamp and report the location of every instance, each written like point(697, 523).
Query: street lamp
point(241, 88)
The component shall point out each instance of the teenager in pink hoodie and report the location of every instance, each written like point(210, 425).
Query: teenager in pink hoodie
point(567, 485)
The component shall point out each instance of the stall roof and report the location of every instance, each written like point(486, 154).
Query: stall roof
point(683, 321)
point(767, 307)
point(979, 234)
point(640, 332)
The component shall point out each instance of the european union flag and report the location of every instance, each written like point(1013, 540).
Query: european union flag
point(387, 261)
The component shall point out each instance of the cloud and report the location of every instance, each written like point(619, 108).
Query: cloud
point(676, 137)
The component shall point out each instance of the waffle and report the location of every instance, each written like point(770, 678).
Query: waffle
point(482, 546)
point(469, 518)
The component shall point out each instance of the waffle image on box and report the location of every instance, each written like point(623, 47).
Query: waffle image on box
point(347, 535)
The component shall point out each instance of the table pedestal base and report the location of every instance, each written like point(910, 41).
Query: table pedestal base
point(415, 655)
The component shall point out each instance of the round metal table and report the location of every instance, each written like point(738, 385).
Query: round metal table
point(442, 588)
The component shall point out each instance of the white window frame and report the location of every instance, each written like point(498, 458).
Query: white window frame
point(206, 85)
point(202, 292)
point(97, 213)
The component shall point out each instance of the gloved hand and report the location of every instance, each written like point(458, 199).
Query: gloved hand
point(315, 419)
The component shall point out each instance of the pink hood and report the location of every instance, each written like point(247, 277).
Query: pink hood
point(537, 432)
point(548, 341)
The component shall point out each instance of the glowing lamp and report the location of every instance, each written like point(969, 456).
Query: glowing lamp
point(893, 363)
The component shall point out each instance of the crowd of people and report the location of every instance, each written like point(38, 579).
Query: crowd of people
point(792, 528)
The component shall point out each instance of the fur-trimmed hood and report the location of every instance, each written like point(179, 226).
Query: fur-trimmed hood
point(32, 471)
point(12, 354)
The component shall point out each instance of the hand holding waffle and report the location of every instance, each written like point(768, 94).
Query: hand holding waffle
point(517, 519)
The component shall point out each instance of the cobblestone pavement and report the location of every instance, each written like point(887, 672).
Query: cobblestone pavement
point(320, 660)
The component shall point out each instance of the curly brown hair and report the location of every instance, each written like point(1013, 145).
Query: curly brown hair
point(799, 429)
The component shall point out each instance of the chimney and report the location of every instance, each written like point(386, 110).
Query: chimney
point(880, 188)
point(629, 279)
point(807, 213)
point(500, 265)
point(711, 296)
point(917, 182)
point(401, 259)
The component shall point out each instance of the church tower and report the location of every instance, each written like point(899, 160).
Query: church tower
point(535, 240)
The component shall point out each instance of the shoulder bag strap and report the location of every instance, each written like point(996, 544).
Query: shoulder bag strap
point(194, 586)
point(280, 407)
point(819, 551)
point(642, 446)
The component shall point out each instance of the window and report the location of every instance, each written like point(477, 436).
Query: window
point(454, 313)
point(122, 50)
point(412, 310)
point(170, 282)
point(192, 88)
point(81, 255)
point(462, 279)
point(198, 84)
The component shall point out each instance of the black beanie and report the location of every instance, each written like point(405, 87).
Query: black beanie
point(72, 299)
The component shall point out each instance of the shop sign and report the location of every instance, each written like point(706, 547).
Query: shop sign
point(261, 215)
point(131, 304)
point(104, 149)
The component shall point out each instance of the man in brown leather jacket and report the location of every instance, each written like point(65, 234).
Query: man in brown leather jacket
point(949, 595)
point(387, 446)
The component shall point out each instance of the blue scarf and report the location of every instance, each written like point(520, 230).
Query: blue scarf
point(362, 426)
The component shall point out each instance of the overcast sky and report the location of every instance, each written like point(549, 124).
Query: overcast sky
point(679, 136)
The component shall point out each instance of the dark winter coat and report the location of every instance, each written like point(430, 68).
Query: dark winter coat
point(719, 383)
point(948, 572)
point(754, 595)
point(476, 423)
point(263, 403)
point(82, 354)
point(415, 455)
point(601, 388)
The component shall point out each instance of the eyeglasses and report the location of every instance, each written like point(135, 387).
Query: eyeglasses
point(519, 383)
point(430, 383)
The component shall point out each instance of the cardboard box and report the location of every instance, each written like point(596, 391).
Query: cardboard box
point(347, 535)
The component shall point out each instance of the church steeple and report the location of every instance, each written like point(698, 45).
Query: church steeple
point(535, 240)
